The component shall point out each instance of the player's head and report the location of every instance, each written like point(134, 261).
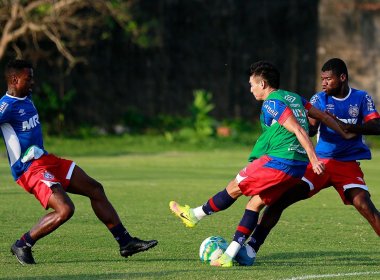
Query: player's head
point(263, 78)
point(19, 77)
point(334, 76)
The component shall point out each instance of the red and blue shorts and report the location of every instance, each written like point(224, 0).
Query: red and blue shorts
point(263, 179)
point(45, 172)
point(342, 175)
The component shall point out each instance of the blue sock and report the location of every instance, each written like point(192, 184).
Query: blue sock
point(246, 226)
point(218, 202)
point(121, 235)
point(258, 237)
point(25, 240)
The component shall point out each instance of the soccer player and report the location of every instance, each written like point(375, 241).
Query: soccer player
point(278, 159)
point(46, 176)
point(357, 113)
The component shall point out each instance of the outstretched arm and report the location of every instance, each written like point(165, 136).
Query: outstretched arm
point(293, 126)
point(330, 121)
point(371, 127)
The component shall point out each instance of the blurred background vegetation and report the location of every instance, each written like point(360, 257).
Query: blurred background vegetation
point(178, 69)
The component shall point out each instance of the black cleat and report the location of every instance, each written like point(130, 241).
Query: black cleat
point(136, 246)
point(23, 254)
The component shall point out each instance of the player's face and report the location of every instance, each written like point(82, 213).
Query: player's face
point(257, 87)
point(25, 82)
point(331, 83)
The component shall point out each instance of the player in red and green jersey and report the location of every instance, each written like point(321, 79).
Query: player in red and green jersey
point(277, 162)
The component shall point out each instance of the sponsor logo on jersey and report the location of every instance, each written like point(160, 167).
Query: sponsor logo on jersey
point(289, 98)
point(48, 176)
point(314, 99)
point(271, 110)
point(31, 123)
point(3, 107)
point(21, 112)
point(353, 110)
point(330, 107)
point(370, 104)
point(349, 121)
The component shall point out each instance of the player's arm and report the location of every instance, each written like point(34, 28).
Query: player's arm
point(371, 127)
point(292, 125)
point(318, 115)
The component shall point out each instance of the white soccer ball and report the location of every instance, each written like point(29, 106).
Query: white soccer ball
point(212, 248)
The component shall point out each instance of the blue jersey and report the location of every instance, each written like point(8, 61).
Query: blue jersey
point(21, 129)
point(356, 108)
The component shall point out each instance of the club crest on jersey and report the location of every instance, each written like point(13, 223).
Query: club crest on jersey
point(353, 111)
point(48, 176)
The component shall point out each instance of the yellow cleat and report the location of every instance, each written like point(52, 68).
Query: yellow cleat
point(184, 213)
point(224, 261)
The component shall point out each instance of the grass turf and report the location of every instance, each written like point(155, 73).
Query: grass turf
point(319, 236)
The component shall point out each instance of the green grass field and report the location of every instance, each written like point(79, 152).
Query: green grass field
point(320, 236)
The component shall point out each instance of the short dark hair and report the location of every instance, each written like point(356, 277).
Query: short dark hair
point(336, 65)
point(14, 67)
point(267, 71)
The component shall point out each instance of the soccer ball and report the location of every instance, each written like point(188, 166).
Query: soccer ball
point(212, 248)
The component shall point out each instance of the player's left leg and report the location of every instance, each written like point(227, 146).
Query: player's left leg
point(220, 201)
point(360, 198)
point(243, 231)
point(81, 183)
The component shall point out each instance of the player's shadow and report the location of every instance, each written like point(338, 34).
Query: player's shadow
point(127, 275)
point(324, 258)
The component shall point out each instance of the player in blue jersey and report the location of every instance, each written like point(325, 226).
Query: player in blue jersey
point(46, 176)
point(357, 114)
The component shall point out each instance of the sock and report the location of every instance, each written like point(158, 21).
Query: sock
point(25, 240)
point(258, 237)
point(199, 213)
point(246, 226)
point(233, 249)
point(218, 202)
point(121, 235)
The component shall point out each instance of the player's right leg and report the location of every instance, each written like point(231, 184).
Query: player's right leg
point(360, 198)
point(82, 184)
point(63, 208)
point(220, 201)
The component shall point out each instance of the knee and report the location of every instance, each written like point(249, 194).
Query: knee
point(65, 213)
point(97, 189)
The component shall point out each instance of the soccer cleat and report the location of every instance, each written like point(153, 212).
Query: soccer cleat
point(246, 256)
point(184, 213)
point(23, 254)
point(224, 261)
point(135, 246)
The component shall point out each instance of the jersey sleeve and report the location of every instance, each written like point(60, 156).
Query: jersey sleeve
point(275, 111)
point(369, 109)
point(5, 110)
point(306, 103)
point(316, 102)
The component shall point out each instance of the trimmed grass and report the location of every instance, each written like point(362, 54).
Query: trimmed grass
point(314, 237)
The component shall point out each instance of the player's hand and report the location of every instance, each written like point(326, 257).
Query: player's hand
point(318, 167)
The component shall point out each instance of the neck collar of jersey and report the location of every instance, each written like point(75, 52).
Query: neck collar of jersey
point(342, 99)
point(19, 98)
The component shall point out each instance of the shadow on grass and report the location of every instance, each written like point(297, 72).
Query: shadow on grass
point(127, 275)
point(322, 258)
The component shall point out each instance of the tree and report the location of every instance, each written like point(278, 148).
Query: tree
point(67, 24)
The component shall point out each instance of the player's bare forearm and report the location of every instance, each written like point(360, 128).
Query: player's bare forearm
point(331, 122)
point(371, 127)
point(293, 126)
